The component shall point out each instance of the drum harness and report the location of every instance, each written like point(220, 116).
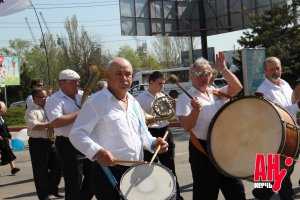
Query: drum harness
point(193, 138)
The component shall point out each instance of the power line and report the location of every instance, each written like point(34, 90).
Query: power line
point(100, 41)
point(62, 22)
point(75, 3)
point(83, 6)
point(21, 27)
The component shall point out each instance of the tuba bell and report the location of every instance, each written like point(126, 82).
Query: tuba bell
point(163, 109)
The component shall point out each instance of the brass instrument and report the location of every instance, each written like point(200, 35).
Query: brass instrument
point(50, 134)
point(163, 108)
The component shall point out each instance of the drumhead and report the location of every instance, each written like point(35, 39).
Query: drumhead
point(240, 130)
point(148, 182)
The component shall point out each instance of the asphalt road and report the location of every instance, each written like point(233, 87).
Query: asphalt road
point(21, 186)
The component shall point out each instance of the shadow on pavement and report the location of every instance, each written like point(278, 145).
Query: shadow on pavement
point(296, 192)
point(18, 182)
point(186, 188)
point(22, 195)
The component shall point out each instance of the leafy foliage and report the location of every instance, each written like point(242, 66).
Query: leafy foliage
point(138, 58)
point(278, 32)
point(15, 116)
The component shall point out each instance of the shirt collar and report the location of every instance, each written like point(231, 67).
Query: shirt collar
point(111, 96)
point(159, 94)
point(274, 85)
point(150, 94)
point(62, 94)
point(35, 106)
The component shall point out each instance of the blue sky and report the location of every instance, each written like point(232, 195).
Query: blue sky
point(100, 18)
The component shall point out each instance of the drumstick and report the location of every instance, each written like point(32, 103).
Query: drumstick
point(158, 148)
point(174, 79)
point(129, 161)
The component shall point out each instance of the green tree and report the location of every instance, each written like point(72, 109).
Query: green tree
point(131, 55)
point(277, 32)
point(150, 62)
point(76, 48)
point(79, 51)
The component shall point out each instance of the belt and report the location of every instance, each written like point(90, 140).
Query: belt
point(62, 137)
point(196, 143)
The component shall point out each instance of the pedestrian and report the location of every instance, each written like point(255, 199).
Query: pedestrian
point(7, 156)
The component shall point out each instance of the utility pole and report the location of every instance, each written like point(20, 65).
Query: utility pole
point(30, 30)
point(44, 43)
point(44, 21)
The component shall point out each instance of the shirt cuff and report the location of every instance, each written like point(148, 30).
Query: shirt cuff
point(93, 150)
point(153, 145)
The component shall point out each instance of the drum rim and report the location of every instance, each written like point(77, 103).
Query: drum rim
point(158, 164)
point(209, 150)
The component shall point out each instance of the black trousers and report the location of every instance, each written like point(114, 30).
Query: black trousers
point(6, 152)
point(76, 173)
point(103, 186)
point(207, 180)
point(167, 158)
point(45, 166)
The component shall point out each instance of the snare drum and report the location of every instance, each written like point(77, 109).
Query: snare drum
point(247, 126)
point(148, 182)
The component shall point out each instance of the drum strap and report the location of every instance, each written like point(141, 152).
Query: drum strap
point(112, 180)
point(196, 143)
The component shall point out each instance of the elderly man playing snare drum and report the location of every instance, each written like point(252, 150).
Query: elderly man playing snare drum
point(195, 116)
point(278, 91)
point(111, 127)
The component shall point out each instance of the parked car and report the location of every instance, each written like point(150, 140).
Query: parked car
point(18, 104)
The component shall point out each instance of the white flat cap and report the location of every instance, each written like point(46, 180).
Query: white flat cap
point(68, 74)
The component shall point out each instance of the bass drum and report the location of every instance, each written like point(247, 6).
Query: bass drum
point(247, 126)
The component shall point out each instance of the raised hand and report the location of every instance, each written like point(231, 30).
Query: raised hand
point(220, 62)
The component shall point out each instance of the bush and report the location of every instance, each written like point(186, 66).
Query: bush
point(15, 117)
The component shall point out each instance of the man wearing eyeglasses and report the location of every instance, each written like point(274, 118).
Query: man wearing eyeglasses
point(158, 128)
point(45, 164)
point(34, 84)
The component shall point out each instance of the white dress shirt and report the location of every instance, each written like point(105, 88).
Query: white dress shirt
point(59, 104)
point(146, 100)
point(210, 105)
point(280, 94)
point(103, 123)
point(35, 115)
point(29, 101)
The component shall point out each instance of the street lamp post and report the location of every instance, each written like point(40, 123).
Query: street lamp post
point(44, 43)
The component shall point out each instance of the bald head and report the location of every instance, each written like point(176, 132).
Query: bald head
point(3, 108)
point(119, 74)
point(117, 63)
